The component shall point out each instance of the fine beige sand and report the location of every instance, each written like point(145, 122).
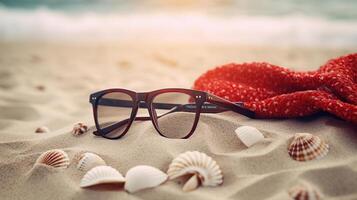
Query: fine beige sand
point(70, 72)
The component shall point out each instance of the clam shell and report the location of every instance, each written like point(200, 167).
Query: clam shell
point(42, 129)
point(100, 175)
point(56, 158)
point(143, 176)
point(89, 160)
point(306, 146)
point(79, 128)
point(249, 135)
point(198, 164)
point(301, 192)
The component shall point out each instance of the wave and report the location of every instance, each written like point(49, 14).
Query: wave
point(45, 24)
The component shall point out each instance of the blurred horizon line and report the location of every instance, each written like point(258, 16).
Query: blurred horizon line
point(253, 26)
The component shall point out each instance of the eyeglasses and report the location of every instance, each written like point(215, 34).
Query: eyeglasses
point(174, 112)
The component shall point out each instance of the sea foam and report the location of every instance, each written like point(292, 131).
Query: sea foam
point(45, 24)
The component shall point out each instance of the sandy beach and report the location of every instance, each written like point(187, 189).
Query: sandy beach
point(48, 84)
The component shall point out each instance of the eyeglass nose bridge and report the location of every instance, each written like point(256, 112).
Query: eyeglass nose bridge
point(142, 97)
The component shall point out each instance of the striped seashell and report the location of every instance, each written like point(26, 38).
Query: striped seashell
point(55, 158)
point(301, 192)
point(79, 128)
point(202, 168)
point(89, 160)
point(101, 175)
point(306, 146)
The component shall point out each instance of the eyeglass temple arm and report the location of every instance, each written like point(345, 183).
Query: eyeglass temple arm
point(237, 107)
point(215, 105)
point(129, 104)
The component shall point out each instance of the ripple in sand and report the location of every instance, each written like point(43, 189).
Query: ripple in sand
point(4, 124)
point(165, 60)
point(7, 80)
point(35, 59)
point(18, 113)
point(124, 64)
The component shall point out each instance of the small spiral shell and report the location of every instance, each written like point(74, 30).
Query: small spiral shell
point(79, 128)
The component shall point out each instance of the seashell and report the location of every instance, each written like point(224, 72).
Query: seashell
point(42, 129)
point(204, 170)
point(192, 183)
point(249, 135)
point(100, 175)
point(306, 146)
point(143, 176)
point(56, 158)
point(301, 192)
point(40, 88)
point(89, 160)
point(79, 129)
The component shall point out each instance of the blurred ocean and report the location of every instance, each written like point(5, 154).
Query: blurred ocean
point(284, 22)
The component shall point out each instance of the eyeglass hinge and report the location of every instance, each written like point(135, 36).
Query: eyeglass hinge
point(92, 98)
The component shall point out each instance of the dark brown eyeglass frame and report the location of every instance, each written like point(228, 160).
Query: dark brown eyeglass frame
point(201, 102)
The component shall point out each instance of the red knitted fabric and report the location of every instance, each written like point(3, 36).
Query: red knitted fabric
point(276, 92)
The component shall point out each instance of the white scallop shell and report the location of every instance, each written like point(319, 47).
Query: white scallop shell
point(42, 129)
point(198, 164)
point(143, 176)
point(56, 158)
point(79, 128)
point(249, 135)
point(89, 160)
point(301, 192)
point(306, 146)
point(100, 175)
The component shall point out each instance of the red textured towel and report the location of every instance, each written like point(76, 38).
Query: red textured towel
point(276, 92)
